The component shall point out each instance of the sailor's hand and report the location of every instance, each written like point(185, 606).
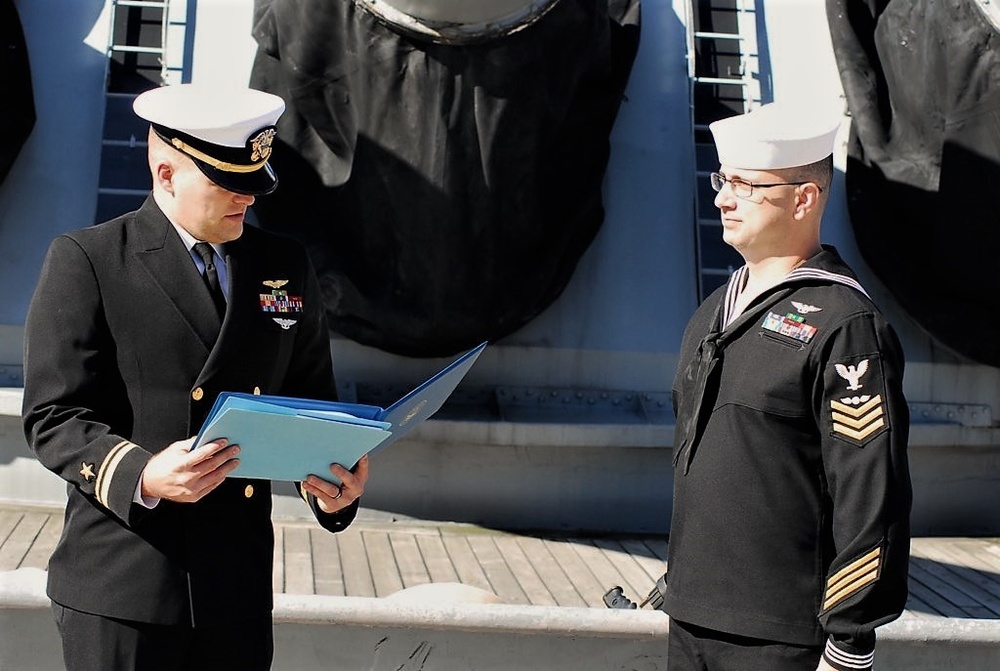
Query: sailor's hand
point(181, 474)
point(332, 498)
point(823, 666)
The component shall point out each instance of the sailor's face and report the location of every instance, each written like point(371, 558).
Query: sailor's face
point(755, 225)
point(206, 210)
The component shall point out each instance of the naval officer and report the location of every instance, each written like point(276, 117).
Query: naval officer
point(135, 327)
point(790, 531)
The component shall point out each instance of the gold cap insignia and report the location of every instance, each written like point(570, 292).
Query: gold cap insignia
point(262, 145)
point(87, 472)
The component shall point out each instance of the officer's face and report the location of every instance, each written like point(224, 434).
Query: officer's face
point(757, 226)
point(206, 210)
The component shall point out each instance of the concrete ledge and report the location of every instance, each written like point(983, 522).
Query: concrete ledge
point(313, 632)
point(10, 401)
point(23, 588)
point(469, 617)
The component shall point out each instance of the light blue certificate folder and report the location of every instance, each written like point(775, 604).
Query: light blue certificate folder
point(285, 438)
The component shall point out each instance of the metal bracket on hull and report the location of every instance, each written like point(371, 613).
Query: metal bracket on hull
point(965, 414)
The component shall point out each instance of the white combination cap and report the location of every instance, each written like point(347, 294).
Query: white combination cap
point(776, 135)
point(228, 132)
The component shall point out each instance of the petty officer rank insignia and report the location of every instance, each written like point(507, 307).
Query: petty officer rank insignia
point(791, 325)
point(855, 399)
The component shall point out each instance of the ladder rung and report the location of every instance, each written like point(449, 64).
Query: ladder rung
point(712, 223)
point(718, 36)
point(719, 272)
point(720, 80)
point(141, 3)
point(137, 50)
point(110, 191)
point(134, 143)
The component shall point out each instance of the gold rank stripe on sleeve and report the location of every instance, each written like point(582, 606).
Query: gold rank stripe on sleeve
point(848, 580)
point(102, 489)
point(858, 423)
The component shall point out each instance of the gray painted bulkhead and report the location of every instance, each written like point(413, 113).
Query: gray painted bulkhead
point(596, 455)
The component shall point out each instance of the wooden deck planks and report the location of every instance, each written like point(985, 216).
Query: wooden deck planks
point(45, 543)
point(327, 563)
point(950, 577)
point(19, 532)
point(922, 587)
point(967, 588)
point(354, 562)
point(465, 563)
point(384, 570)
point(606, 573)
point(976, 566)
point(412, 570)
point(298, 561)
point(501, 578)
point(638, 581)
point(436, 559)
point(640, 552)
point(530, 582)
point(550, 572)
point(582, 578)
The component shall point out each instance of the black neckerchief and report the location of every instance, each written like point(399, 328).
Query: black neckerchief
point(704, 369)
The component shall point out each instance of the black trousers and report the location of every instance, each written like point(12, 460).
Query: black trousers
point(96, 643)
point(694, 648)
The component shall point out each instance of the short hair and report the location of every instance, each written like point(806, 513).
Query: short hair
point(820, 172)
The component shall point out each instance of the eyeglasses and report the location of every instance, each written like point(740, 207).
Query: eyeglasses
point(742, 188)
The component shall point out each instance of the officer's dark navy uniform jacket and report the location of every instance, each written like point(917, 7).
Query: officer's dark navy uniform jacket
point(792, 491)
point(124, 356)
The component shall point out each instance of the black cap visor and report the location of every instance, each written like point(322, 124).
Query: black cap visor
point(257, 183)
point(245, 176)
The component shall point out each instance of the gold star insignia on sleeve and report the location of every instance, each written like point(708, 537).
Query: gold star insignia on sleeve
point(87, 472)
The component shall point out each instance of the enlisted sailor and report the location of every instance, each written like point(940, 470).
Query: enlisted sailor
point(790, 530)
point(135, 327)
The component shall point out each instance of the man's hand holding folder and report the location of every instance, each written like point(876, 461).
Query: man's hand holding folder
point(294, 439)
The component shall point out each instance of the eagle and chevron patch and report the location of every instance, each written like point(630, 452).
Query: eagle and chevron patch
point(856, 399)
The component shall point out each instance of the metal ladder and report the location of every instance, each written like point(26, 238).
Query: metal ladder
point(723, 75)
point(142, 33)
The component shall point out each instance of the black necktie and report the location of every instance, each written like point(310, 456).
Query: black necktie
point(211, 276)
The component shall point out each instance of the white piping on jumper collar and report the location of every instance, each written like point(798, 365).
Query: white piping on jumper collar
point(738, 282)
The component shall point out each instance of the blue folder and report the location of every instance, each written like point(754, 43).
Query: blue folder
point(286, 438)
